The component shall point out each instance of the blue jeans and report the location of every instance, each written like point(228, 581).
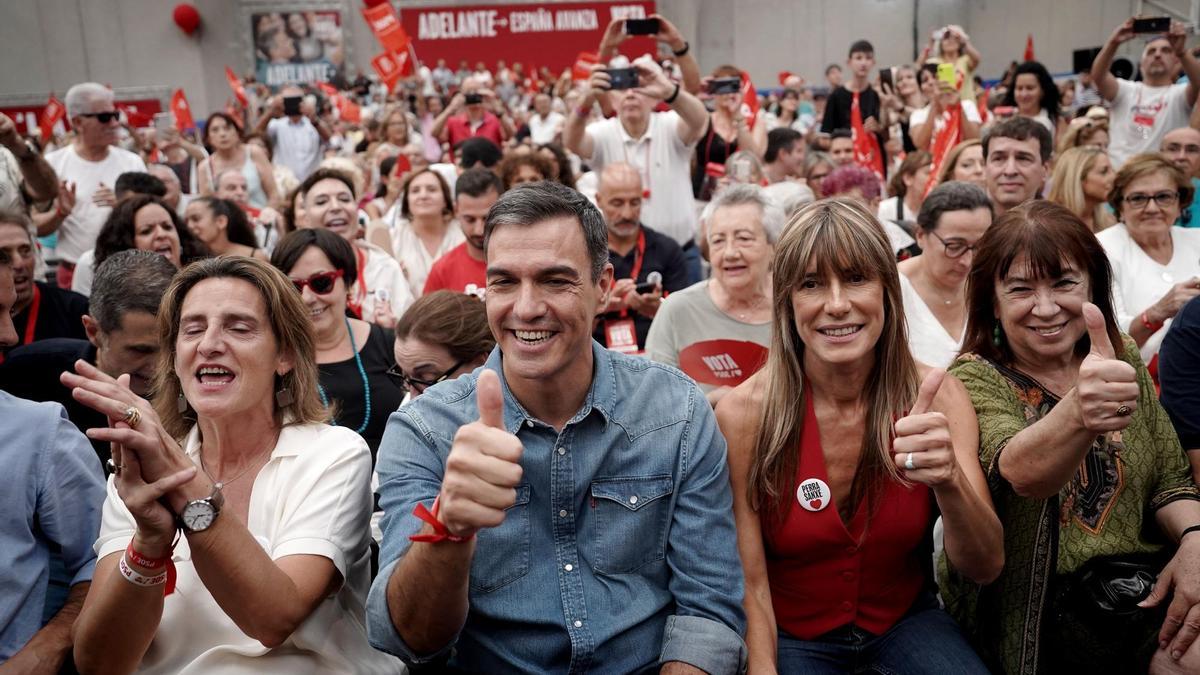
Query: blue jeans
point(925, 640)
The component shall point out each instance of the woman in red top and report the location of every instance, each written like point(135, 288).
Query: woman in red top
point(843, 450)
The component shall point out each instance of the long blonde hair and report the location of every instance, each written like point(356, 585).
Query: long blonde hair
point(838, 236)
point(286, 314)
point(1066, 189)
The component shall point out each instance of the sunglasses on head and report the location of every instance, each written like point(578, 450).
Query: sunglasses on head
point(102, 117)
point(321, 283)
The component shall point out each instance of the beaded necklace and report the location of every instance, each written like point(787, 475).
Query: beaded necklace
point(366, 386)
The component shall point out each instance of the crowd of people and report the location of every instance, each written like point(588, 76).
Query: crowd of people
point(896, 372)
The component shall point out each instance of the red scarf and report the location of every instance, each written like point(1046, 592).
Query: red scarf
point(867, 152)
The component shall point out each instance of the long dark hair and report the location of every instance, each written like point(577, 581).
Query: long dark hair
point(238, 228)
point(565, 174)
point(1048, 234)
point(117, 232)
point(228, 119)
point(1050, 96)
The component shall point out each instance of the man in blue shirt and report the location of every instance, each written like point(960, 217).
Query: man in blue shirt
point(583, 516)
point(51, 497)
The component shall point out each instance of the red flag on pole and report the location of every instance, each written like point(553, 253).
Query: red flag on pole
point(182, 111)
point(235, 83)
point(582, 69)
point(388, 67)
point(387, 28)
point(749, 100)
point(52, 114)
point(1029, 48)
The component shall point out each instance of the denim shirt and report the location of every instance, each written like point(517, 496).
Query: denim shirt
point(619, 554)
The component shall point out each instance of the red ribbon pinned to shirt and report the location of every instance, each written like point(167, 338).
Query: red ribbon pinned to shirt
point(440, 531)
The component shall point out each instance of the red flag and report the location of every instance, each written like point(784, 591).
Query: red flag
point(52, 114)
point(867, 152)
point(349, 110)
point(330, 90)
point(947, 137)
point(135, 117)
point(783, 77)
point(388, 68)
point(386, 26)
point(1029, 48)
point(235, 83)
point(582, 69)
point(749, 100)
point(182, 111)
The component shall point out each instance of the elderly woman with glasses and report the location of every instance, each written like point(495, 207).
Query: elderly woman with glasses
point(1156, 266)
point(442, 336)
point(353, 356)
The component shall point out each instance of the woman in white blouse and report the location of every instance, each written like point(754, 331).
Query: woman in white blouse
point(1156, 265)
point(235, 533)
point(952, 219)
point(423, 226)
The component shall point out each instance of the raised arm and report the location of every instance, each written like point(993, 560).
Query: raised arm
point(39, 178)
point(438, 130)
point(689, 69)
point(575, 137)
point(1106, 83)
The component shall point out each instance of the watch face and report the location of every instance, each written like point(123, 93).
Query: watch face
point(198, 515)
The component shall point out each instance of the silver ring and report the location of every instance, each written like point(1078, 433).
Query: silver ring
point(908, 463)
point(1124, 410)
point(114, 468)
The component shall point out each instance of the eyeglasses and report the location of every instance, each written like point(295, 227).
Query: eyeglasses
point(1163, 199)
point(102, 117)
point(1188, 149)
point(954, 248)
point(321, 283)
point(408, 382)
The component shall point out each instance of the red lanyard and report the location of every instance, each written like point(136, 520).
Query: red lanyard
point(639, 254)
point(31, 322)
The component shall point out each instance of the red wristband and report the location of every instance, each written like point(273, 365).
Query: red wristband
point(440, 531)
point(1154, 326)
point(140, 560)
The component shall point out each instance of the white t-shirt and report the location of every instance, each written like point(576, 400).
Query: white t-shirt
point(888, 207)
point(1140, 116)
point(78, 231)
point(927, 338)
point(383, 272)
point(408, 248)
point(1139, 281)
point(313, 497)
point(297, 146)
point(11, 181)
point(85, 271)
point(663, 160)
point(542, 130)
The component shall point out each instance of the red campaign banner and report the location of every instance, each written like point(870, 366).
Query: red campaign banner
point(386, 26)
point(391, 67)
point(182, 111)
point(722, 362)
point(52, 114)
point(235, 83)
point(550, 33)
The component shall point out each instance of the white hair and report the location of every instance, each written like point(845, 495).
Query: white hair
point(789, 196)
point(82, 97)
point(737, 194)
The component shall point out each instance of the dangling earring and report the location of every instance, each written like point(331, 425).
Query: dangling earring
point(996, 339)
point(283, 395)
point(181, 403)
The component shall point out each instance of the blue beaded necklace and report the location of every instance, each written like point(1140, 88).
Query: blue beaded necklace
point(366, 386)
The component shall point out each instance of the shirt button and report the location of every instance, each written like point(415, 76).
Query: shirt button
point(633, 499)
point(529, 423)
point(568, 567)
point(562, 513)
point(579, 624)
point(562, 451)
point(847, 606)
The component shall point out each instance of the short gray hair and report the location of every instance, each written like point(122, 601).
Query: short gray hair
point(17, 217)
point(81, 97)
point(532, 203)
point(128, 281)
point(951, 196)
point(738, 194)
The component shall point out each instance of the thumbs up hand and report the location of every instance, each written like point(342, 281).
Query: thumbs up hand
point(1107, 388)
point(922, 448)
point(483, 468)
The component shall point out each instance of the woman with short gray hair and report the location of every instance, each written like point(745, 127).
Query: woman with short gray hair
point(952, 219)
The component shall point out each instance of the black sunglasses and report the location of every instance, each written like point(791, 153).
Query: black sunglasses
point(102, 117)
point(406, 382)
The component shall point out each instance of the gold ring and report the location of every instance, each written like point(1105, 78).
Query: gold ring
point(1124, 410)
point(132, 416)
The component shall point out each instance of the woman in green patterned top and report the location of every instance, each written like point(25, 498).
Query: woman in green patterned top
point(1081, 460)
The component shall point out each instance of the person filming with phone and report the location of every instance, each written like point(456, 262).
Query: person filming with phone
point(1143, 112)
point(659, 145)
point(295, 130)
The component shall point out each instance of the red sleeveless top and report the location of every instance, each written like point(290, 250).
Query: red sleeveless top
point(825, 574)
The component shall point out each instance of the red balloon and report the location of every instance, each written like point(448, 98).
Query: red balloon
point(186, 17)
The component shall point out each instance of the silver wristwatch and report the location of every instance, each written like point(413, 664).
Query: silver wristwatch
point(199, 514)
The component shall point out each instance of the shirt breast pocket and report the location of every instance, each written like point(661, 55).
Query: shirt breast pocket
point(502, 553)
point(631, 519)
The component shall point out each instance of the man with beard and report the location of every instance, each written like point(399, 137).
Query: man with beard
point(464, 268)
point(1143, 112)
point(636, 252)
point(41, 310)
point(122, 338)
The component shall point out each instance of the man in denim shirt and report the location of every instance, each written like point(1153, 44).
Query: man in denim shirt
point(583, 518)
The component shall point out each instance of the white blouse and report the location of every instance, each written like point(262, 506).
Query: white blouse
point(410, 251)
point(1139, 281)
point(313, 497)
point(927, 338)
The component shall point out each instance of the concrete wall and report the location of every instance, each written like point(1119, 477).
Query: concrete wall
point(50, 44)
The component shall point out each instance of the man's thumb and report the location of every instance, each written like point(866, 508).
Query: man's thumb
point(490, 399)
point(1097, 329)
